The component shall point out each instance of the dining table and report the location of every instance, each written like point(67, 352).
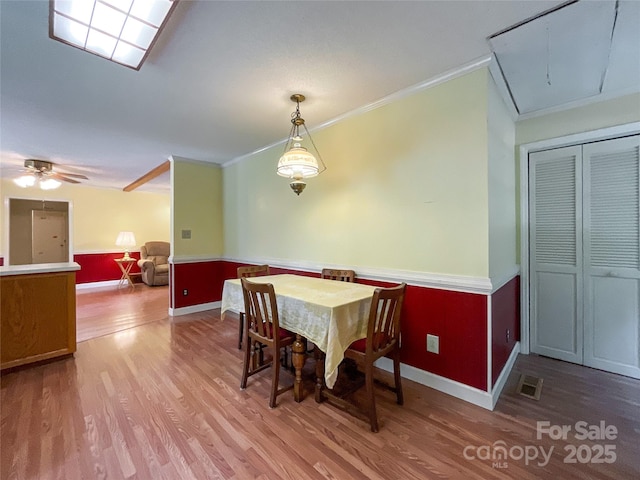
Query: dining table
point(329, 313)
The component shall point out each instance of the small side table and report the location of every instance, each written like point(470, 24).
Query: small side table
point(125, 265)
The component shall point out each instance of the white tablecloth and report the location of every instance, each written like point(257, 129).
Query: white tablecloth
point(329, 313)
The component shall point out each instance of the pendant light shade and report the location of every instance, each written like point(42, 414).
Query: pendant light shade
point(297, 163)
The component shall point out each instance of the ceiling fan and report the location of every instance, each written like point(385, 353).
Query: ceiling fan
point(42, 171)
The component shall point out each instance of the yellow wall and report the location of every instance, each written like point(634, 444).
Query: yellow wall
point(618, 111)
point(99, 214)
point(502, 187)
point(406, 188)
point(197, 206)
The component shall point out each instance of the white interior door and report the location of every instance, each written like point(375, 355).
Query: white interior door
point(585, 254)
point(612, 255)
point(49, 237)
point(556, 253)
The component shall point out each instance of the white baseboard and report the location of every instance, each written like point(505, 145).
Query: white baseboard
point(106, 283)
point(442, 384)
point(504, 375)
point(453, 388)
point(176, 312)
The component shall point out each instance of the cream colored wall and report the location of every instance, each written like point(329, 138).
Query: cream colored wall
point(502, 187)
point(405, 188)
point(99, 214)
point(618, 111)
point(197, 206)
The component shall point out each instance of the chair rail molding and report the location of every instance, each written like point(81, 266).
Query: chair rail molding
point(179, 259)
point(458, 283)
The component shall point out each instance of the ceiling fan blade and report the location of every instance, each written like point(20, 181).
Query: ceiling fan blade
point(64, 178)
point(74, 175)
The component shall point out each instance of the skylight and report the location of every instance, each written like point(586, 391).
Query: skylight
point(122, 31)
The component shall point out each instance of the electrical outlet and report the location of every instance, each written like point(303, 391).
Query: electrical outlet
point(185, 292)
point(433, 343)
point(508, 335)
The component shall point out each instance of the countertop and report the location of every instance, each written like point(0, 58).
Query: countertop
point(38, 268)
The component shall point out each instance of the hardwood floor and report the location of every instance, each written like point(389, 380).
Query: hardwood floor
point(103, 311)
point(162, 400)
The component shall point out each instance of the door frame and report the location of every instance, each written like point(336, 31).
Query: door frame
point(7, 222)
point(524, 150)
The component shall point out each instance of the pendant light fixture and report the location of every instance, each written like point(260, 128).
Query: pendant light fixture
point(297, 163)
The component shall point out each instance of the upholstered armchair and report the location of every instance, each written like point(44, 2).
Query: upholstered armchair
point(154, 263)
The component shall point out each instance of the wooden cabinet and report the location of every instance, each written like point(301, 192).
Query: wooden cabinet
point(38, 316)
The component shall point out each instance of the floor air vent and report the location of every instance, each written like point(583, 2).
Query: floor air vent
point(530, 386)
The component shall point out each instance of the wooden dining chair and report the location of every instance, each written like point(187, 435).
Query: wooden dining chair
point(263, 327)
point(342, 275)
point(248, 272)
point(383, 338)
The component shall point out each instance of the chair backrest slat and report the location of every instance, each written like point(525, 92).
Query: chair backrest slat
point(261, 308)
point(384, 318)
point(253, 271)
point(341, 275)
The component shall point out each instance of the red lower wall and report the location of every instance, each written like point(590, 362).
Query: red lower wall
point(505, 317)
point(100, 267)
point(459, 319)
point(203, 282)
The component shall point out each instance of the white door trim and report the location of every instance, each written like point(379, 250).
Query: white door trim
point(525, 149)
point(7, 222)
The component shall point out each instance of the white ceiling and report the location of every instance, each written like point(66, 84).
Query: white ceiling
point(216, 85)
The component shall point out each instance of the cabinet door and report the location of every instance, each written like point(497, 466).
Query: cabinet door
point(37, 317)
point(612, 255)
point(555, 185)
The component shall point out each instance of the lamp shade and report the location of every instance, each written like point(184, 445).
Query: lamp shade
point(298, 163)
point(126, 239)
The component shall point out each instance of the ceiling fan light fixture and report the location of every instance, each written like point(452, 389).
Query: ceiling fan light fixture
point(297, 162)
point(49, 183)
point(41, 172)
point(25, 181)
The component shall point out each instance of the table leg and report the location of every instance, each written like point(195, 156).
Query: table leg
point(298, 357)
point(125, 279)
point(319, 357)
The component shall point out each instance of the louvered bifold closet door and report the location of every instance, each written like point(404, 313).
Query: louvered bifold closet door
point(555, 206)
point(611, 181)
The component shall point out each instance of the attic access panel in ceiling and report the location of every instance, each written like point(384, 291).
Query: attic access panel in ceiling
point(579, 50)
